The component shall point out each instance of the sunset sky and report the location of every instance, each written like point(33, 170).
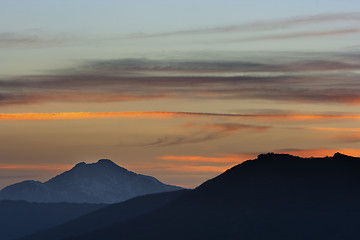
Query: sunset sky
point(180, 90)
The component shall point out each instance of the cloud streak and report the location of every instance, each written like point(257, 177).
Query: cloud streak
point(302, 35)
point(39, 39)
point(221, 127)
point(327, 77)
point(184, 139)
point(334, 129)
point(348, 137)
point(257, 26)
point(109, 89)
point(224, 158)
point(35, 167)
point(7, 99)
point(204, 133)
point(161, 67)
point(9, 39)
point(183, 168)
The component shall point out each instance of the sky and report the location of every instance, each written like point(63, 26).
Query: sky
point(179, 90)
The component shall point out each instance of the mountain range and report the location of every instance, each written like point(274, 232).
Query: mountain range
point(100, 182)
point(116, 213)
point(20, 218)
point(275, 196)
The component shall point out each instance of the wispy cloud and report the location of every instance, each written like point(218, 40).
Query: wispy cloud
point(9, 39)
point(221, 127)
point(40, 39)
point(35, 167)
point(302, 35)
point(201, 133)
point(324, 25)
point(348, 137)
point(110, 89)
point(258, 26)
point(7, 99)
point(185, 164)
point(334, 129)
point(176, 168)
point(234, 127)
point(184, 139)
point(82, 115)
point(222, 158)
point(163, 67)
point(16, 177)
point(329, 78)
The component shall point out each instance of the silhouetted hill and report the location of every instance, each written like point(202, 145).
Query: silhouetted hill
point(20, 218)
point(108, 216)
point(101, 182)
point(275, 196)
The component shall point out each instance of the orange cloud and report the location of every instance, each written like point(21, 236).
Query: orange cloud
point(36, 167)
point(213, 169)
point(225, 158)
point(89, 115)
point(349, 137)
point(181, 168)
point(200, 159)
point(81, 115)
point(204, 133)
point(335, 129)
point(233, 127)
point(194, 164)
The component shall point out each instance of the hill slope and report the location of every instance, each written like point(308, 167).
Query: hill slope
point(275, 196)
point(101, 182)
point(108, 216)
point(20, 218)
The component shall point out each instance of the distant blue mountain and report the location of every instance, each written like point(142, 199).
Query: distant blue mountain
point(20, 218)
point(101, 182)
point(105, 217)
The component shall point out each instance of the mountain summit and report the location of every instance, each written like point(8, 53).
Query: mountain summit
point(100, 182)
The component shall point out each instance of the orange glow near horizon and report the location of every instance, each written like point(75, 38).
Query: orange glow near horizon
point(107, 115)
point(182, 168)
point(335, 129)
point(228, 158)
point(81, 115)
point(239, 158)
point(36, 167)
point(323, 152)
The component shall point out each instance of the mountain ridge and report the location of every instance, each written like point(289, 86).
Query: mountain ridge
point(275, 196)
point(20, 218)
point(100, 182)
point(107, 216)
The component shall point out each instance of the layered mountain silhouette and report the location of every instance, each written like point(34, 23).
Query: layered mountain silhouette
point(276, 196)
point(100, 182)
point(105, 217)
point(20, 218)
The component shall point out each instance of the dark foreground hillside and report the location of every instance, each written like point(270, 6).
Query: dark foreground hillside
point(275, 196)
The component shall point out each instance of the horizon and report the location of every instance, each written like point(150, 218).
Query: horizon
point(70, 167)
point(180, 91)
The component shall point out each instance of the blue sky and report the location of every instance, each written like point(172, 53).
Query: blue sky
point(45, 35)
